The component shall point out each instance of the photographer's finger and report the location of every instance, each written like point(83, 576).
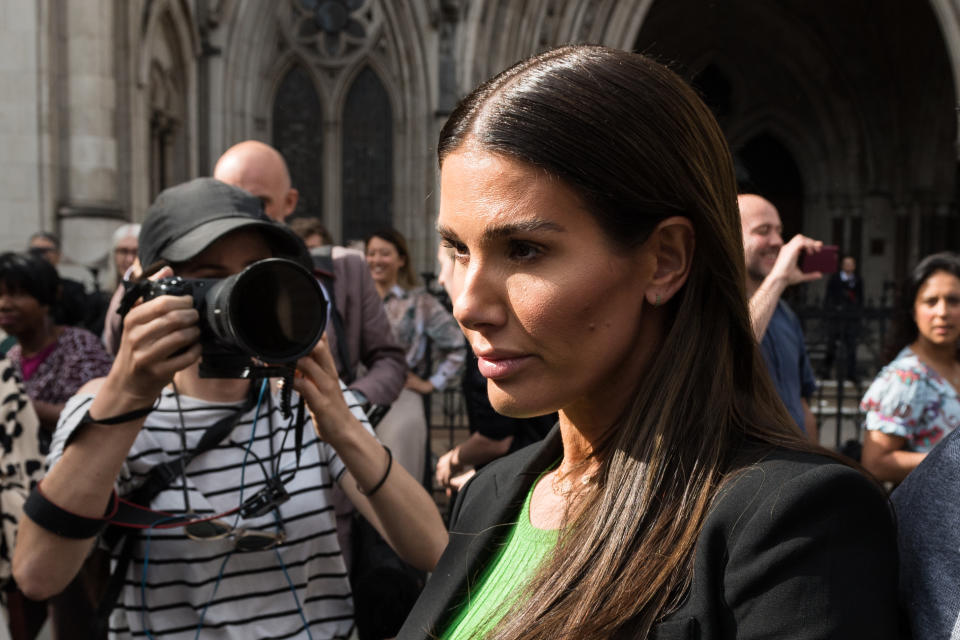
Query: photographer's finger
point(156, 328)
point(171, 342)
point(164, 272)
point(315, 373)
point(145, 312)
point(182, 359)
point(321, 355)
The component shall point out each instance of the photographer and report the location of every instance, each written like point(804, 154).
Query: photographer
point(277, 573)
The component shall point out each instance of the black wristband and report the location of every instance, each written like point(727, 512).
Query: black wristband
point(65, 523)
point(386, 473)
point(120, 419)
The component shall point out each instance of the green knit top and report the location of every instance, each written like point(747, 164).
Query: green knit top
point(503, 579)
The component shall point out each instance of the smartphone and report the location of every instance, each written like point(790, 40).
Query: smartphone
point(824, 261)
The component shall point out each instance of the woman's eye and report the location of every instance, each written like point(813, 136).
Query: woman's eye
point(459, 250)
point(523, 251)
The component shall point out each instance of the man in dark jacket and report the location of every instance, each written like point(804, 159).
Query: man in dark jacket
point(843, 303)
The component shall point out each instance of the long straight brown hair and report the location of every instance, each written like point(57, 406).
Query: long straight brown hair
point(638, 145)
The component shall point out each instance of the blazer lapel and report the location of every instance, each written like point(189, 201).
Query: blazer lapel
point(481, 519)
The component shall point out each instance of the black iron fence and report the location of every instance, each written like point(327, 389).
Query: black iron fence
point(836, 403)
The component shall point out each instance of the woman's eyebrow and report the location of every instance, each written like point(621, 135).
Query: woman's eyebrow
point(502, 230)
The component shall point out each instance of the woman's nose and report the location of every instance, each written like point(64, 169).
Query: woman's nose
point(478, 302)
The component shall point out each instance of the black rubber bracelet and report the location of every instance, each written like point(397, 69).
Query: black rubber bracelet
point(386, 473)
point(58, 520)
point(120, 419)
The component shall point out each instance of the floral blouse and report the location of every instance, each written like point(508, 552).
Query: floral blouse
point(418, 319)
point(911, 400)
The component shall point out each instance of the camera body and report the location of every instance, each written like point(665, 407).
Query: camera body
point(271, 313)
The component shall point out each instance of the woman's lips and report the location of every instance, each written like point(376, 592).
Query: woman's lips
point(496, 366)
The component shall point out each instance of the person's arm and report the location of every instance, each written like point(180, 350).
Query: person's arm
point(477, 449)
point(398, 507)
point(784, 273)
point(885, 456)
point(82, 480)
point(48, 412)
point(450, 347)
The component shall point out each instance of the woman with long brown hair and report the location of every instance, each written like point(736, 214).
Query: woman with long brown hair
point(590, 199)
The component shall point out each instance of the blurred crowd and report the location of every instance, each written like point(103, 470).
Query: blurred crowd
point(393, 343)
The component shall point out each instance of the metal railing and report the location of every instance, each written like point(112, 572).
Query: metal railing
point(836, 403)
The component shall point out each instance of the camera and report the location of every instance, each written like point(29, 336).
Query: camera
point(271, 313)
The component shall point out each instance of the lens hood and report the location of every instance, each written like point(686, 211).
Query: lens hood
point(273, 310)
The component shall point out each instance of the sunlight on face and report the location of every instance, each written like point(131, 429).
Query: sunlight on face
point(551, 308)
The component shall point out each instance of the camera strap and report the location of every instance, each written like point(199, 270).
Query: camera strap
point(132, 515)
point(323, 270)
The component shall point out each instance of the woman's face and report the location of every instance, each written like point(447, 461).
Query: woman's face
point(936, 309)
point(384, 261)
point(551, 308)
point(20, 312)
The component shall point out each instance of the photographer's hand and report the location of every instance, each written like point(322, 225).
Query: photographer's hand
point(398, 506)
point(159, 338)
point(318, 383)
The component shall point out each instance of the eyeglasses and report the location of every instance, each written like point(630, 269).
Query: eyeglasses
point(243, 539)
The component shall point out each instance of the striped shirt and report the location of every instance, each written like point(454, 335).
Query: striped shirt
point(176, 586)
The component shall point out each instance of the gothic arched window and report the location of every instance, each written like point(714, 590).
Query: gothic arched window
point(298, 135)
point(367, 157)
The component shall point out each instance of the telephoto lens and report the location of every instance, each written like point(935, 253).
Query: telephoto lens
point(274, 310)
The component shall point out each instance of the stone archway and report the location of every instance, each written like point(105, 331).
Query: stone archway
point(163, 101)
point(262, 40)
point(867, 151)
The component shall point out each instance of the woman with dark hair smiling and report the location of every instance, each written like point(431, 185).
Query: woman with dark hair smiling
point(423, 328)
point(590, 200)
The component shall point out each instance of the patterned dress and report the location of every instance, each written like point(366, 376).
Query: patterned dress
point(21, 466)
point(76, 357)
point(911, 400)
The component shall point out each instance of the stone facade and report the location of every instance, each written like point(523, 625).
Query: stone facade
point(851, 131)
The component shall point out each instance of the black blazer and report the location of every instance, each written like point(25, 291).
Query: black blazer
point(797, 546)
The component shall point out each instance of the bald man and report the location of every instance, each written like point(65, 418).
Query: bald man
point(260, 169)
point(771, 268)
point(364, 335)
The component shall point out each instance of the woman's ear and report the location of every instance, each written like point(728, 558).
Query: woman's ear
point(671, 244)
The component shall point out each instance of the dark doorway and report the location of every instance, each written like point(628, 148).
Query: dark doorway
point(765, 167)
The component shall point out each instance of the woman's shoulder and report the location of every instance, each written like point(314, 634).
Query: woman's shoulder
point(779, 482)
point(905, 368)
point(901, 379)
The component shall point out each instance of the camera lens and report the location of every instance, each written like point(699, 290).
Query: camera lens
point(274, 309)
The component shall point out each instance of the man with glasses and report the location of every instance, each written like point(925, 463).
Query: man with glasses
point(74, 307)
point(242, 537)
